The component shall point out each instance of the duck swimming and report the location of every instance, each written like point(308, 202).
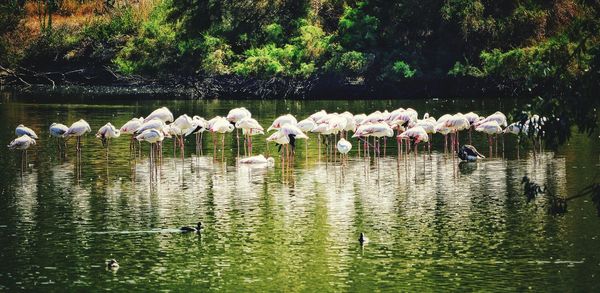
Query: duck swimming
point(112, 264)
point(469, 153)
point(187, 229)
point(363, 239)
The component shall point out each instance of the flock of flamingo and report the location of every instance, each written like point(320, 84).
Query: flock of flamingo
point(332, 130)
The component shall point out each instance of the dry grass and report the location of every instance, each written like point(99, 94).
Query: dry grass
point(74, 15)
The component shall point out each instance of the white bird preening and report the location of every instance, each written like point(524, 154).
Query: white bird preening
point(78, 129)
point(250, 127)
point(163, 114)
point(307, 125)
point(286, 136)
point(490, 128)
point(154, 137)
point(130, 128)
point(344, 147)
point(283, 120)
point(106, 133)
point(417, 134)
point(258, 160)
point(178, 129)
point(58, 131)
point(199, 127)
point(234, 116)
point(24, 130)
point(222, 126)
point(22, 143)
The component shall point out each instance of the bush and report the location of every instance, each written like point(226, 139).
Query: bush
point(267, 60)
point(155, 49)
point(356, 29)
point(217, 55)
point(350, 63)
point(403, 70)
point(51, 47)
point(274, 33)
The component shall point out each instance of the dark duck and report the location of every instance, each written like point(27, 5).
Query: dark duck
point(187, 229)
point(469, 153)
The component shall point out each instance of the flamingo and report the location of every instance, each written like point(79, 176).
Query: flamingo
point(107, 132)
point(441, 128)
point(129, 128)
point(163, 114)
point(249, 128)
point(375, 130)
point(234, 116)
point(417, 134)
point(472, 118)
point(258, 160)
point(428, 123)
point(318, 115)
point(154, 137)
point(222, 126)
point(58, 131)
point(24, 130)
point(287, 135)
point(456, 123)
point(199, 127)
point(183, 124)
point(78, 129)
point(344, 146)
point(22, 143)
point(307, 125)
point(517, 129)
point(283, 120)
point(490, 128)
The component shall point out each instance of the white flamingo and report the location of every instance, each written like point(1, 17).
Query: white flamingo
point(234, 116)
point(78, 129)
point(129, 128)
point(22, 143)
point(163, 114)
point(250, 127)
point(24, 130)
point(344, 147)
point(490, 128)
point(106, 133)
point(58, 130)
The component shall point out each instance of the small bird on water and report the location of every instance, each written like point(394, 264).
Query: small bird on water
point(112, 264)
point(363, 239)
point(187, 229)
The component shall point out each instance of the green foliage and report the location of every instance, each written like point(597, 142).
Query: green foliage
point(357, 29)
point(154, 50)
point(11, 12)
point(51, 48)
point(401, 69)
point(274, 33)
point(350, 63)
point(267, 61)
point(217, 56)
point(121, 23)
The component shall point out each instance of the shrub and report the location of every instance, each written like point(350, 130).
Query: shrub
point(350, 63)
point(155, 49)
point(217, 55)
point(403, 70)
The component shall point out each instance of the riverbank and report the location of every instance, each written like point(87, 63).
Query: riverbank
point(105, 82)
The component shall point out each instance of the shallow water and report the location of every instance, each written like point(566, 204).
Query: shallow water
point(433, 224)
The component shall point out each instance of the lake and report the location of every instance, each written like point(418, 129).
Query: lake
point(433, 224)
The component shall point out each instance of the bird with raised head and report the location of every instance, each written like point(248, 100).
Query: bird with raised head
point(186, 229)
